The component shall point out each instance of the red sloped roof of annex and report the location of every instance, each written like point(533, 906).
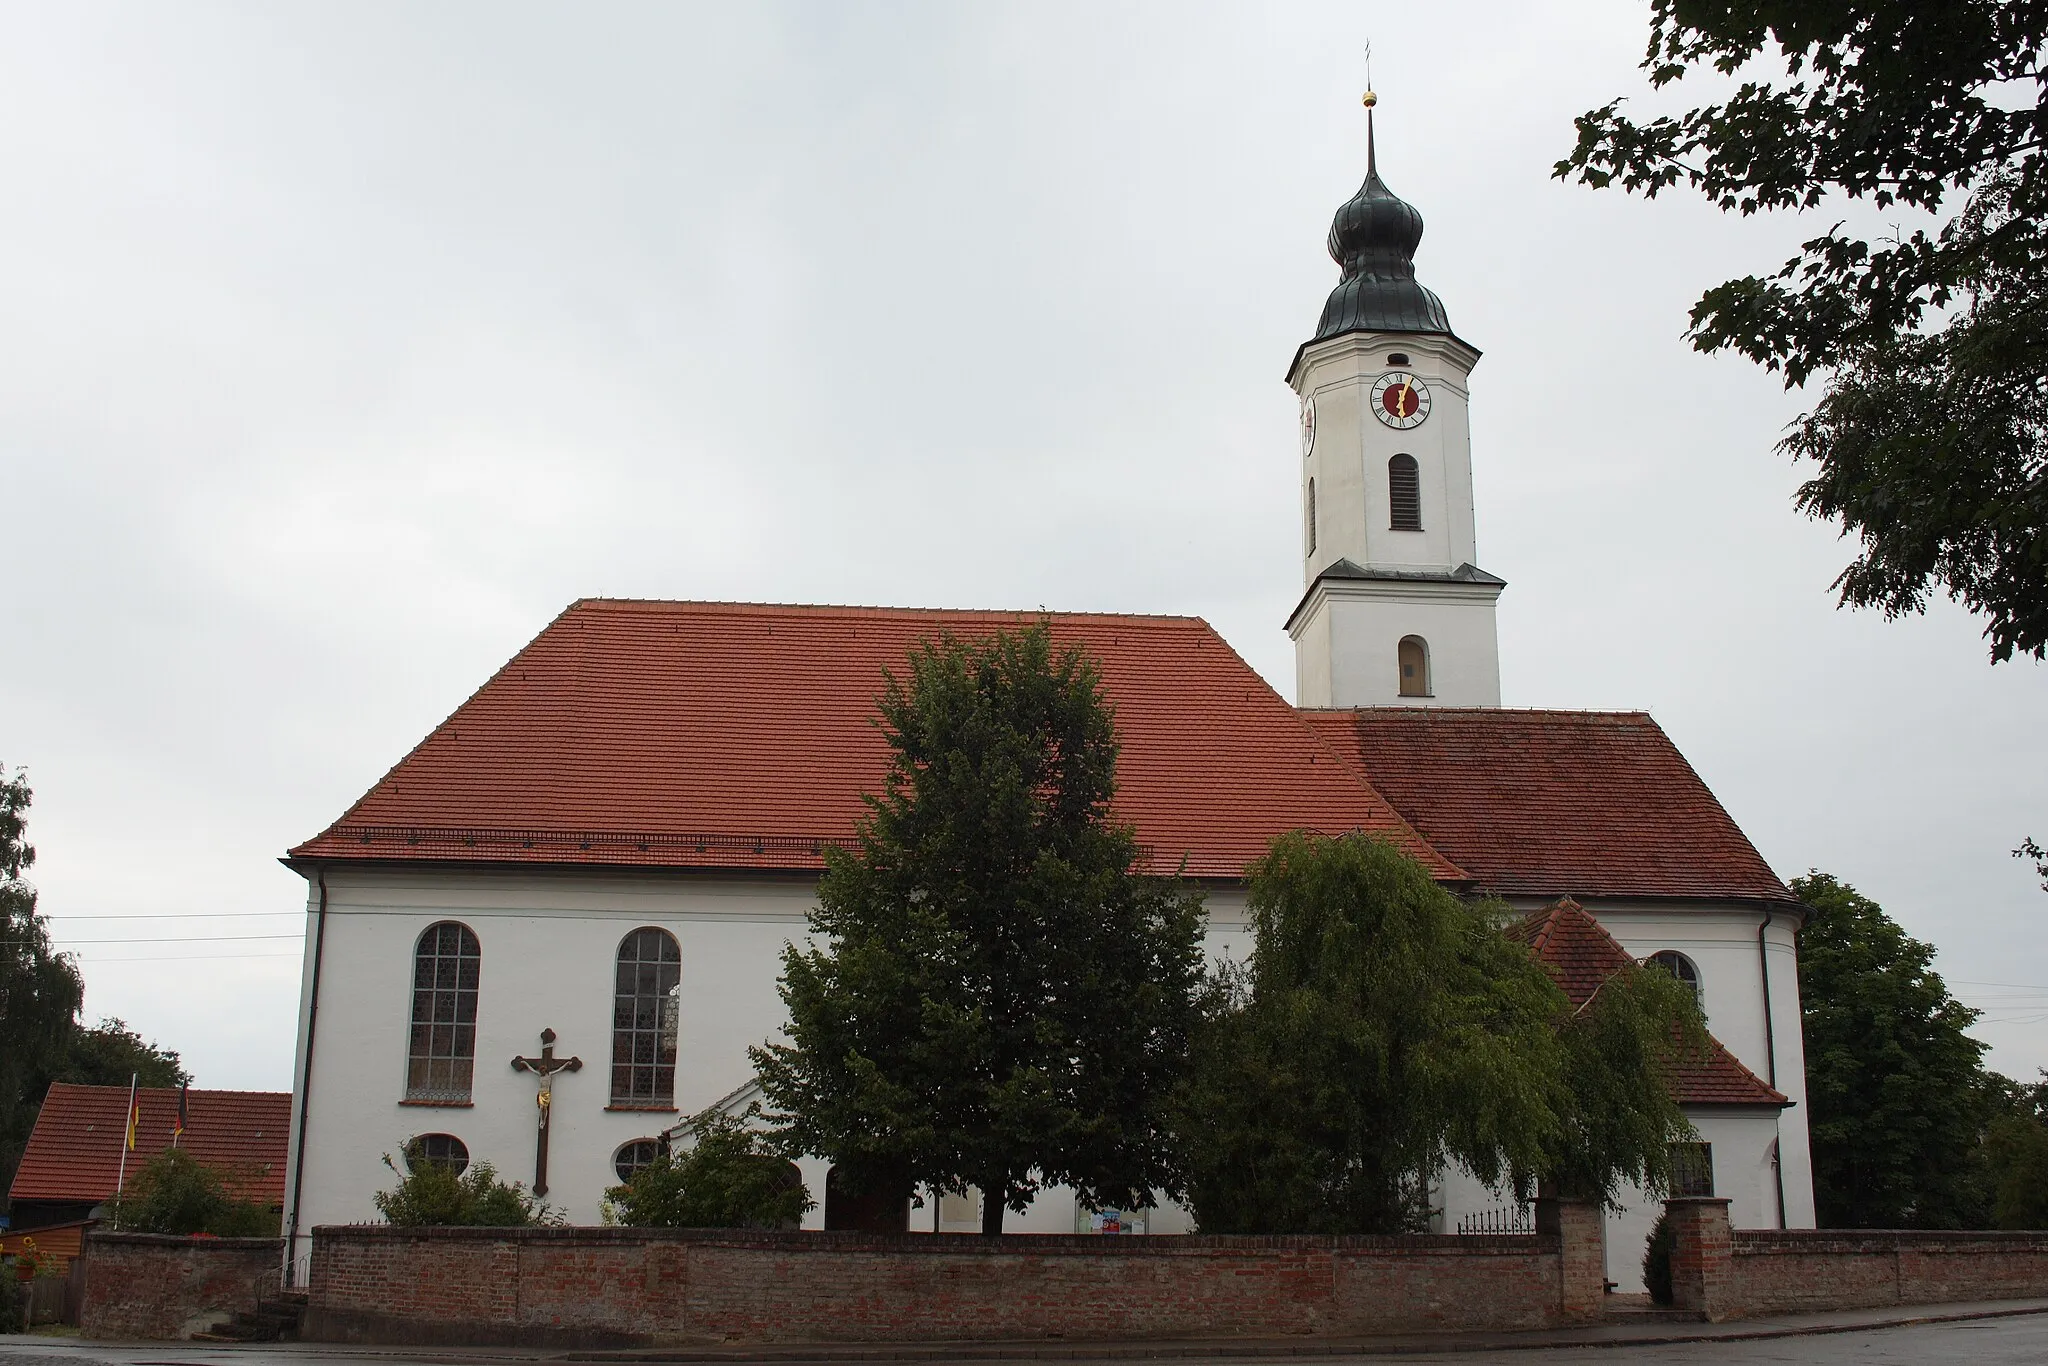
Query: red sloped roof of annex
point(74, 1152)
point(736, 735)
point(1581, 955)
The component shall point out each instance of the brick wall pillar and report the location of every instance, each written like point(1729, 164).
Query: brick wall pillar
point(1581, 1232)
point(1702, 1257)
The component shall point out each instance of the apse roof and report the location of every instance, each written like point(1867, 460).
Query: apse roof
point(729, 735)
point(74, 1152)
point(1554, 803)
point(1581, 955)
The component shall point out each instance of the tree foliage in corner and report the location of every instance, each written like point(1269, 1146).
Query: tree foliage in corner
point(724, 1179)
point(1899, 1098)
point(1930, 438)
point(998, 999)
point(40, 990)
point(1384, 1028)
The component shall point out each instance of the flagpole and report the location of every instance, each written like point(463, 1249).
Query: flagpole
point(127, 1138)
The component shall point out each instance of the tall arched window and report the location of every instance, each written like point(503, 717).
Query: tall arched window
point(1679, 966)
point(1311, 516)
point(1413, 656)
point(441, 1056)
point(1404, 493)
point(644, 1007)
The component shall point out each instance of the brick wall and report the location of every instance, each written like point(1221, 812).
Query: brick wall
point(611, 1286)
point(148, 1285)
point(1750, 1272)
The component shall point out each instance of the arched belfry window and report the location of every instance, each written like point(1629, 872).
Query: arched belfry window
point(441, 1054)
point(1413, 656)
point(1404, 493)
point(645, 1001)
point(1311, 516)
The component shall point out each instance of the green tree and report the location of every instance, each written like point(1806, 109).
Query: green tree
point(433, 1194)
point(40, 989)
point(1898, 1094)
point(177, 1193)
point(2039, 856)
point(998, 999)
point(725, 1179)
point(110, 1053)
point(1930, 438)
point(1384, 1028)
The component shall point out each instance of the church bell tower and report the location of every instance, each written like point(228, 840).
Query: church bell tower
point(1395, 611)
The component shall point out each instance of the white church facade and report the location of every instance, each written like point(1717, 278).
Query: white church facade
point(612, 840)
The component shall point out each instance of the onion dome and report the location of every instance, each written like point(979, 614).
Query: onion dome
point(1373, 238)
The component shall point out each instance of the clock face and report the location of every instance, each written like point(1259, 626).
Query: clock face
point(1308, 426)
point(1400, 400)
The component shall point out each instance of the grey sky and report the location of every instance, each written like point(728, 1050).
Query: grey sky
point(344, 345)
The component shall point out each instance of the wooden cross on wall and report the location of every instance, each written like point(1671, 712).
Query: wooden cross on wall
point(545, 1066)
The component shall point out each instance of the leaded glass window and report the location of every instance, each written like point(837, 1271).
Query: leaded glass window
point(631, 1157)
point(437, 1150)
point(644, 1008)
point(441, 1056)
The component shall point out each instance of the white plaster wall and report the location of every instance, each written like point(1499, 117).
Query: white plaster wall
point(1741, 1149)
point(1364, 638)
point(1349, 462)
point(548, 944)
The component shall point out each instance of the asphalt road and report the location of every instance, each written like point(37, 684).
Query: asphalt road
point(2015, 1341)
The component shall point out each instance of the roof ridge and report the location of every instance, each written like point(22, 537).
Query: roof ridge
point(735, 605)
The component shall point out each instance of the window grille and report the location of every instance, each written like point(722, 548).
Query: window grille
point(1692, 1169)
point(1679, 966)
point(644, 1008)
point(1404, 493)
point(441, 1056)
point(631, 1157)
point(437, 1150)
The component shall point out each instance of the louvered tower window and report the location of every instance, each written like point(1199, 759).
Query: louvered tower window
point(1311, 516)
point(1404, 493)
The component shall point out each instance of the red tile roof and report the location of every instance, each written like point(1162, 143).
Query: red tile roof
point(1581, 955)
point(74, 1152)
point(691, 734)
point(1554, 803)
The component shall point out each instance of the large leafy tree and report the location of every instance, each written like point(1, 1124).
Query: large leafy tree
point(1384, 1028)
point(40, 995)
point(997, 998)
point(40, 990)
point(1930, 437)
point(1898, 1094)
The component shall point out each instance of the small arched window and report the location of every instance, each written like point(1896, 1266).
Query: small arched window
point(436, 1150)
point(1413, 656)
point(441, 1054)
point(1404, 493)
point(645, 1001)
point(1311, 516)
point(631, 1157)
point(1679, 966)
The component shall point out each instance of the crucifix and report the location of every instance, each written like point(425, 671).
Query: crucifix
point(545, 1066)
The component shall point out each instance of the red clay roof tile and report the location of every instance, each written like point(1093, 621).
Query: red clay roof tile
point(74, 1152)
point(1581, 955)
point(1553, 803)
point(689, 734)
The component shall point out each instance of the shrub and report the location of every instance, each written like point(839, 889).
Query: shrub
point(1657, 1260)
point(177, 1193)
point(723, 1180)
point(433, 1194)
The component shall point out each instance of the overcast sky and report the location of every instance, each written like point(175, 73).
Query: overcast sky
point(342, 346)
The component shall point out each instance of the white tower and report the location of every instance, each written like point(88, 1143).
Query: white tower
point(1396, 612)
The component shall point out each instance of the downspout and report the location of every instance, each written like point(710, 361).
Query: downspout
point(291, 1237)
point(1763, 963)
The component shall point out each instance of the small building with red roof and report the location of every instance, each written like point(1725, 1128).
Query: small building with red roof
point(77, 1154)
point(582, 879)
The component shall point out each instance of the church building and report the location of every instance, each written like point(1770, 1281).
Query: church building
point(550, 932)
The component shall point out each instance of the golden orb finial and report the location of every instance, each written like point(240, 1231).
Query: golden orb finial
point(1369, 99)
